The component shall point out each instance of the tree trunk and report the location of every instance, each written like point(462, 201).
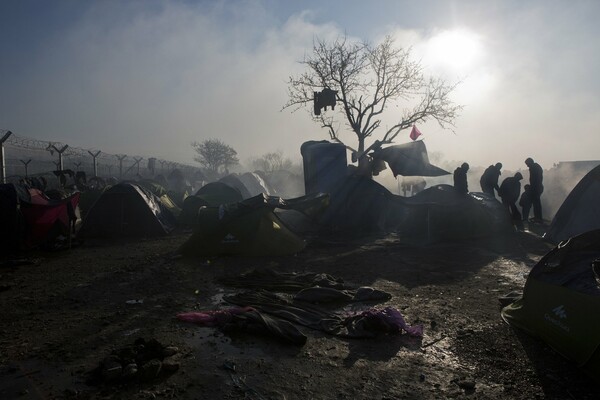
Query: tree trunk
point(364, 166)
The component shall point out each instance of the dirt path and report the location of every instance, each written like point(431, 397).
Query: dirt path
point(64, 314)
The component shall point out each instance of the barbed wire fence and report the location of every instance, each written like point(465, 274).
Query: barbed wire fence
point(23, 157)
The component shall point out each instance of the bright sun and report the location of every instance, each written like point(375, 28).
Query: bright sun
point(457, 49)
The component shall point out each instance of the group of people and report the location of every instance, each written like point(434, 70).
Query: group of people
point(510, 189)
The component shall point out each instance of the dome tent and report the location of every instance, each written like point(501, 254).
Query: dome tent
point(127, 209)
point(561, 301)
point(249, 227)
point(579, 212)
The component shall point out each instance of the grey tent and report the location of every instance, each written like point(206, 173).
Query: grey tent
point(127, 209)
point(579, 212)
point(212, 194)
point(255, 184)
point(234, 181)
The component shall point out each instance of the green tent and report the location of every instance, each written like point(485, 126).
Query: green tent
point(249, 227)
point(210, 195)
point(561, 301)
point(159, 191)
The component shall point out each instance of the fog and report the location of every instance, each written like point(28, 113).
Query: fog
point(147, 77)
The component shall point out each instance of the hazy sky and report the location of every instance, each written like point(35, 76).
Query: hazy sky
point(148, 77)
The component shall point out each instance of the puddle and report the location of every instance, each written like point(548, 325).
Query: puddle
point(228, 346)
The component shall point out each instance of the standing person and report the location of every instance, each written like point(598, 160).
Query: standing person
point(489, 179)
point(460, 179)
point(536, 177)
point(509, 193)
point(525, 202)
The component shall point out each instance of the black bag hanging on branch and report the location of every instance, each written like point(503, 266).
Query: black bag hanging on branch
point(324, 98)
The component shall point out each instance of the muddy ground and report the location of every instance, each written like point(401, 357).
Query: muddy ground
point(66, 312)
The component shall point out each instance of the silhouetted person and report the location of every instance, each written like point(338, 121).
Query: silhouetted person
point(509, 192)
point(489, 179)
point(525, 201)
point(536, 177)
point(460, 179)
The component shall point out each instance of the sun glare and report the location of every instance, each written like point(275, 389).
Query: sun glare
point(457, 49)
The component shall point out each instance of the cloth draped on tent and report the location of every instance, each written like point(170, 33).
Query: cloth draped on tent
point(409, 159)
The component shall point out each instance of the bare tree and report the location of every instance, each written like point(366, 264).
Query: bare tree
point(274, 161)
point(369, 80)
point(213, 155)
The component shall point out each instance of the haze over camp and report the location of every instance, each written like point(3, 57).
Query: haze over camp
point(291, 200)
point(150, 77)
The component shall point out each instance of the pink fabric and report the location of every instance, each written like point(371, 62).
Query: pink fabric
point(393, 320)
point(212, 318)
point(415, 133)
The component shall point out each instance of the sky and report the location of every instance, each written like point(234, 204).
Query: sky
point(149, 77)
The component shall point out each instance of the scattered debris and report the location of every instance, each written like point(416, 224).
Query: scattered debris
point(144, 361)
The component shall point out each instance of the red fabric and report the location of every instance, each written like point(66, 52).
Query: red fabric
point(212, 318)
point(415, 133)
point(41, 217)
point(38, 197)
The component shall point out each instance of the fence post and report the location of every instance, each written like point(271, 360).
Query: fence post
point(2, 165)
point(60, 158)
point(94, 156)
point(121, 158)
point(137, 162)
point(26, 164)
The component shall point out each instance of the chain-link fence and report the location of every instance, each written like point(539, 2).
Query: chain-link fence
point(25, 157)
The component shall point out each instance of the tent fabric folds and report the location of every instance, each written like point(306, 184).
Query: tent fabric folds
point(579, 212)
point(561, 301)
point(249, 227)
point(30, 218)
point(409, 159)
point(127, 209)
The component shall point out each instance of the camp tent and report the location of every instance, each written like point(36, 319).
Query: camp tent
point(30, 212)
point(440, 214)
point(579, 212)
point(358, 203)
point(210, 195)
point(561, 301)
point(255, 184)
point(249, 227)
point(127, 209)
point(234, 181)
point(165, 196)
point(435, 214)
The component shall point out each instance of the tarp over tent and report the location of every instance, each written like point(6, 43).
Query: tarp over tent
point(580, 212)
point(561, 301)
point(249, 227)
point(127, 209)
point(409, 159)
